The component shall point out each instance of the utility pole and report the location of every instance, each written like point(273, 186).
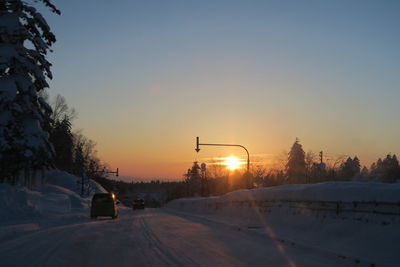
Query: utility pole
point(198, 149)
point(321, 156)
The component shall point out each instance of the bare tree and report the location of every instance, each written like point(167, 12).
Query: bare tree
point(335, 161)
point(333, 164)
point(61, 110)
point(310, 158)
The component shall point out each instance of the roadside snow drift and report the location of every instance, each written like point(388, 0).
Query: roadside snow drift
point(16, 203)
point(70, 182)
point(58, 196)
point(350, 219)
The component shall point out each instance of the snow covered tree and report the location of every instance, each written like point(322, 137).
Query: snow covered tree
point(296, 165)
point(25, 40)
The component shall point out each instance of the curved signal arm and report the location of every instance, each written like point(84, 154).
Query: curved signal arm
point(198, 144)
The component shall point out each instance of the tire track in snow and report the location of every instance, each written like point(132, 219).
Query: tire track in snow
point(162, 249)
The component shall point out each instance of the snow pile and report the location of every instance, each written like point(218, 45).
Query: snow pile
point(58, 199)
point(53, 203)
point(330, 191)
point(71, 182)
point(354, 199)
point(16, 203)
point(344, 218)
point(58, 196)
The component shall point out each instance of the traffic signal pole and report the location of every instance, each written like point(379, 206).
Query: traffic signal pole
point(198, 144)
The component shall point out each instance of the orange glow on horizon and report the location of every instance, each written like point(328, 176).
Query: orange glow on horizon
point(232, 163)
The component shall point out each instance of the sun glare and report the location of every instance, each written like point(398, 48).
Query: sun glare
point(232, 163)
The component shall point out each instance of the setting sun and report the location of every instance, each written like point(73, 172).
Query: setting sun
point(232, 163)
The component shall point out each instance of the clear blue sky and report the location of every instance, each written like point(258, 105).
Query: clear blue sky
point(146, 77)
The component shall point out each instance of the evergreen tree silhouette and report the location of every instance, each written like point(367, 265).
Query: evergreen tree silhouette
point(296, 165)
point(62, 139)
point(25, 39)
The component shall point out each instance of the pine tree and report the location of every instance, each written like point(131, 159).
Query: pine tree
point(25, 39)
point(390, 169)
point(364, 174)
point(194, 180)
point(350, 168)
point(379, 166)
point(356, 166)
point(346, 170)
point(373, 168)
point(62, 139)
point(296, 165)
point(395, 168)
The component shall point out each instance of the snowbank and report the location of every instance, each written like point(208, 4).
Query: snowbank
point(16, 203)
point(58, 196)
point(346, 218)
point(69, 181)
point(330, 191)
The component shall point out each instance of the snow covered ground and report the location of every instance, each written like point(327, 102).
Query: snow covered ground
point(330, 224)
point(155, 238)
point(359, 221)
point(57, 197)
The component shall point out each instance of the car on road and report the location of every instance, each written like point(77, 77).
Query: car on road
point(138, 203)
point(104, 204)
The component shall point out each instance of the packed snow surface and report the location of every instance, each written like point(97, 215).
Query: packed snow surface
point(154, 238)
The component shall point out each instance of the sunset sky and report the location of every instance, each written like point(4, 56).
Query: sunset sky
point(147, 77)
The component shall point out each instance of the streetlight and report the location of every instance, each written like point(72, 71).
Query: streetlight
point(198, 149)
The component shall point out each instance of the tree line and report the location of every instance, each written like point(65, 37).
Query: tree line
point(298, 167)
point(74, 152)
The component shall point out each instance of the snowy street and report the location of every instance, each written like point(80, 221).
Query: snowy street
point(291, 225)
point(153, 237)
point(199, 133)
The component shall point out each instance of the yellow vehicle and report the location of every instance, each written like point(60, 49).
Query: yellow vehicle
point(104, 204)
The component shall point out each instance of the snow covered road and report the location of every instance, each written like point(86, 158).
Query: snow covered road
point(155, 237)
